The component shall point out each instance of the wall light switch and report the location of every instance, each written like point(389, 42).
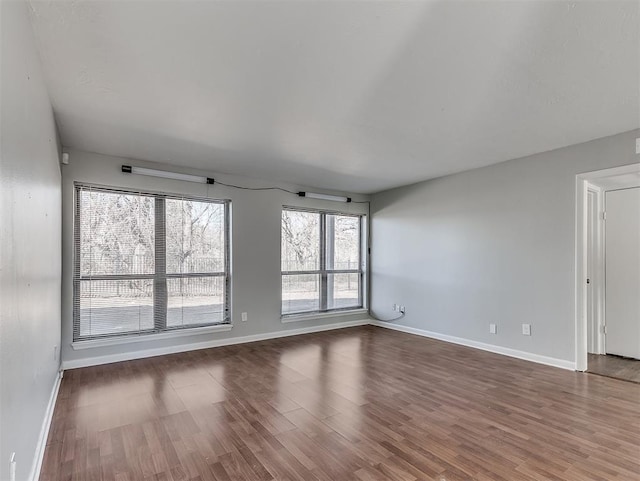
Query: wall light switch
point(526, 329)
point(493, 329)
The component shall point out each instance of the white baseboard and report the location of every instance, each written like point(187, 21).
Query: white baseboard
point(44, 430)
point(506, 351)
point(128, 356)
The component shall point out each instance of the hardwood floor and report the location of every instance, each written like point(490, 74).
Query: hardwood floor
point(614, 366)
point(362, 403)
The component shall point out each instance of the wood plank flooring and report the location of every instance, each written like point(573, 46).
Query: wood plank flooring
point(361, 404)
point(614, 366)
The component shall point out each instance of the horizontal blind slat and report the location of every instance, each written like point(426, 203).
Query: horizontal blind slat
point(139, 269)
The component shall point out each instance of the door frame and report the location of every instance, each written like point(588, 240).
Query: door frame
point(581, 223)
point(597, 279)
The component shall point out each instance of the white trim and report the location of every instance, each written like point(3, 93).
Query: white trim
point(624, 169)
point(44, 430)
point(528, 356)
point(580, 270)
point(601, 281)
point(127, 356)
point(597, 279)
point(321, 315)
point(128, 339)
point(506, 351)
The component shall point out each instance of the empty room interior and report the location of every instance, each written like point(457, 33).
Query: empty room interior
point(320, 240)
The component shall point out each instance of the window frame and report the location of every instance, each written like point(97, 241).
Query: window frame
point(323, 272)
point(160, 275)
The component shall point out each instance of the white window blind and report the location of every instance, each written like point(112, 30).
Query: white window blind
point(321, 255)
point(148, 262)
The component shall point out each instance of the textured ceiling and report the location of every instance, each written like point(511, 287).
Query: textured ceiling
point(354, 96)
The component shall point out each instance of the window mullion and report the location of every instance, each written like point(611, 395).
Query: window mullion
point(330, 229)
point(323, 262)
point(160, 277)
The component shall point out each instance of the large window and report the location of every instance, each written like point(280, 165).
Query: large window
point(321, 261)
point(148, 263)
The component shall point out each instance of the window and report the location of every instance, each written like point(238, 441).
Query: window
point(147, 263)
point(321, 261)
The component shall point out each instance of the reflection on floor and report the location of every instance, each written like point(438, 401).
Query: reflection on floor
point(356, 404)
point(615, 366)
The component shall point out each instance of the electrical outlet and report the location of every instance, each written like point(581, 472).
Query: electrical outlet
point(395, 307)
point(401, 309)
point(526, 329)
point(244, 317)
point(55, 353)
point(493, 329)
point(638, 145)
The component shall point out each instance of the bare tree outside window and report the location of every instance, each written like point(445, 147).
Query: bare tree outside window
point(117, 233)
point(195, 245)
point(321, 267)
point(300, 241)
point(147, 263)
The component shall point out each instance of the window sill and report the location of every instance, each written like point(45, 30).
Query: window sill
point(321, 315)
point(128, 339)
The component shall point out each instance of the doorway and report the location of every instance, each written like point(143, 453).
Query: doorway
point(608, 278)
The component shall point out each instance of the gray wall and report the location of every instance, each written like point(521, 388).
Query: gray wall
point(29, 244)
point(255, 249)
point(491, 245)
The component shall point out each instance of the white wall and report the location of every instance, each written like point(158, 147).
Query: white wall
point(29, 244)
point(495, 244)
point(255, 250)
